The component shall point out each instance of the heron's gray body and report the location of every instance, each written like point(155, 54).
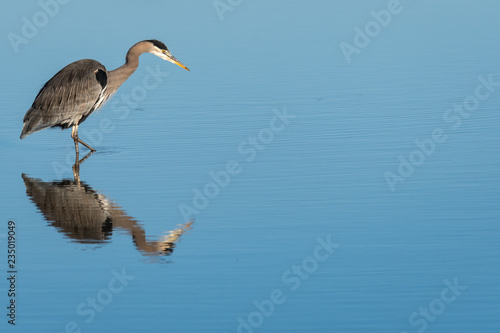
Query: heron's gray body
point(82, 87)
point(70, 104)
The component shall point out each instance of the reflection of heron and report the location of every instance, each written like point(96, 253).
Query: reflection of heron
point(83, 86)
point(86, 216)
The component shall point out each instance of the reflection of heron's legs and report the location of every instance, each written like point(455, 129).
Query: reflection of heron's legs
point(76, 166)
point(74, 135)
point(86, 156)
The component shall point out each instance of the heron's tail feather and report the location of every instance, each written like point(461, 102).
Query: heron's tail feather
point(34, 122)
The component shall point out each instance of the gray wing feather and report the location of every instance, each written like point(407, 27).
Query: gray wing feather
point(68, 98)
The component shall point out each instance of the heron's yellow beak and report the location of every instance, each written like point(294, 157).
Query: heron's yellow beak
point(174, 60)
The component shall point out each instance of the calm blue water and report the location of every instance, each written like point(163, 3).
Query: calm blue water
point(357, 173)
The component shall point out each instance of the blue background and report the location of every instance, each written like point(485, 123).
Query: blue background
point(323, 175)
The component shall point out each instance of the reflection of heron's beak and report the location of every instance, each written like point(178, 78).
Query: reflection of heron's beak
point(167, 242)
point(174, 60)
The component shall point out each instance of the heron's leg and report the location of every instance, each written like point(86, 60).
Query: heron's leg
point(86, 145)
point(74, 135)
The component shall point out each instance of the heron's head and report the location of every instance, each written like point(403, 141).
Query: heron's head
point(161, 50)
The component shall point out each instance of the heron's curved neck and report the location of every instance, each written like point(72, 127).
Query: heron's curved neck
point(117, 76)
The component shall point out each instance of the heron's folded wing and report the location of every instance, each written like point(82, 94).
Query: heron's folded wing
point(70, 95)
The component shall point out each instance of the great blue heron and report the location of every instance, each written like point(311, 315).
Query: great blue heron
point(82, 87)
